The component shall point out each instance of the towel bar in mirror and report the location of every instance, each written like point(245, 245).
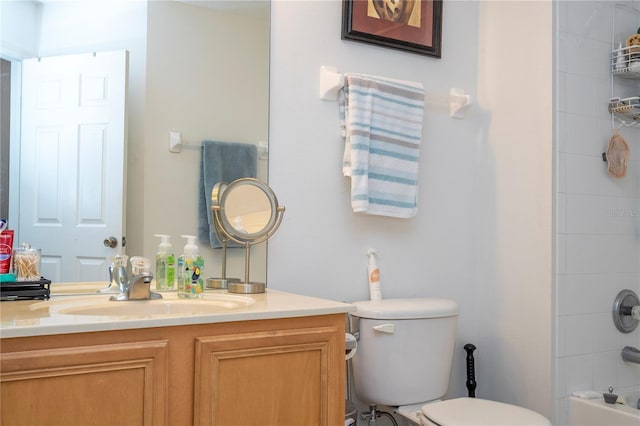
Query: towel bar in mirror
point(247, 212)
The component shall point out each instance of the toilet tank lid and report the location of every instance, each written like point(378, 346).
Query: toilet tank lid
point(406, 308)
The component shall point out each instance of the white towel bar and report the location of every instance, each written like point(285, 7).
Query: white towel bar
point(176, 143)
point(331, 81)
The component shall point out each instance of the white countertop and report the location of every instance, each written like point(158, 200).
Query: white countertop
point(37, 317)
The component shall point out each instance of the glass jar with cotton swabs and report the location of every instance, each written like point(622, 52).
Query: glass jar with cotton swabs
point(26, 263)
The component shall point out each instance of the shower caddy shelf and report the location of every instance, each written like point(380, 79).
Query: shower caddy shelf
point(626, 110)
point(624, 63)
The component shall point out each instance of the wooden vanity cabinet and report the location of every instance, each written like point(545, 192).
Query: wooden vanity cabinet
point(263, 372)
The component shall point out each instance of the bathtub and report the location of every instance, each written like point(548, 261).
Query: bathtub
point(595, 412)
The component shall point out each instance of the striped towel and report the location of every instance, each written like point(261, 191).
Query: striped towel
point(381, 124)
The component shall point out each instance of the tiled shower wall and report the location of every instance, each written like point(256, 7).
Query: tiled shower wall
point(597, 221)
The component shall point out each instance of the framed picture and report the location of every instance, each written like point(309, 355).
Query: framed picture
point(411, 25)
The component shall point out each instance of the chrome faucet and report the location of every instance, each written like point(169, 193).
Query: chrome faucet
point(138, 287)
point(118, 276)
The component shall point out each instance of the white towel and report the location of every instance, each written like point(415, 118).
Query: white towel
point(381, 124)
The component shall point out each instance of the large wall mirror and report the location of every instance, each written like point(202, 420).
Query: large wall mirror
point(199, 68)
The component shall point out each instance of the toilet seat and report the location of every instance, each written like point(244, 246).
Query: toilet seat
point(479, 412)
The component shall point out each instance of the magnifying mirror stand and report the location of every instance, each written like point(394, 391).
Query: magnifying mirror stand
point(228, 217)
point(246, 287)
point(222, 282)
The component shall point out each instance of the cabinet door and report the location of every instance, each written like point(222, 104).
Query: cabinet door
point(113, 384)
point(282, 377)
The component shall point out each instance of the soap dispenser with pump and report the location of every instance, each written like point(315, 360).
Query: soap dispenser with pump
point(165, 264)
point(188, 261)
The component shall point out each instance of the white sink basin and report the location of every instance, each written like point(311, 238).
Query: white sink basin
point(170, 305)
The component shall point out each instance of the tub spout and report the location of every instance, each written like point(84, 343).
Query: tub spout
point(631, 354)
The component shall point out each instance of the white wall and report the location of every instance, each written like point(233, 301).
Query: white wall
point(597, 216)
point(483, 232)
point(20, 28)
point(81, 27)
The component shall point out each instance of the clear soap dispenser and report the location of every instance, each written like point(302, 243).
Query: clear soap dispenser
point(165, 264)
point(190, 268)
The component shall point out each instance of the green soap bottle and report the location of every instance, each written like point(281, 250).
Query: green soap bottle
point(188, 261)
point(165, 264)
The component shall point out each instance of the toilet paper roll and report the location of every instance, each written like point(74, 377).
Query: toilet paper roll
point(351, 345)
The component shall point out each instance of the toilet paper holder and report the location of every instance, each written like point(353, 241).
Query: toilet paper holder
point(350, 345)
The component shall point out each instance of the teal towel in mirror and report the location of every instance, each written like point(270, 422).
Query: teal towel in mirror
point(221, 162)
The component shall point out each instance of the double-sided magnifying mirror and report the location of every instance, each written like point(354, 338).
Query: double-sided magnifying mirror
point(247, 212)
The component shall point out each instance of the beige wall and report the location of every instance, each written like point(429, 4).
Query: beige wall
point(207, 78)
point(515, 91)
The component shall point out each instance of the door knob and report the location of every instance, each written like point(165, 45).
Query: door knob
point(111, 242)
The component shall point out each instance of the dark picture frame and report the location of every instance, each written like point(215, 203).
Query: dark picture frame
point(414, 26)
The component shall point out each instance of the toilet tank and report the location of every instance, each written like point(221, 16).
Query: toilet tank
point(405, 350)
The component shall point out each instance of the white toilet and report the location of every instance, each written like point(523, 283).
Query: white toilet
point(404, 358)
